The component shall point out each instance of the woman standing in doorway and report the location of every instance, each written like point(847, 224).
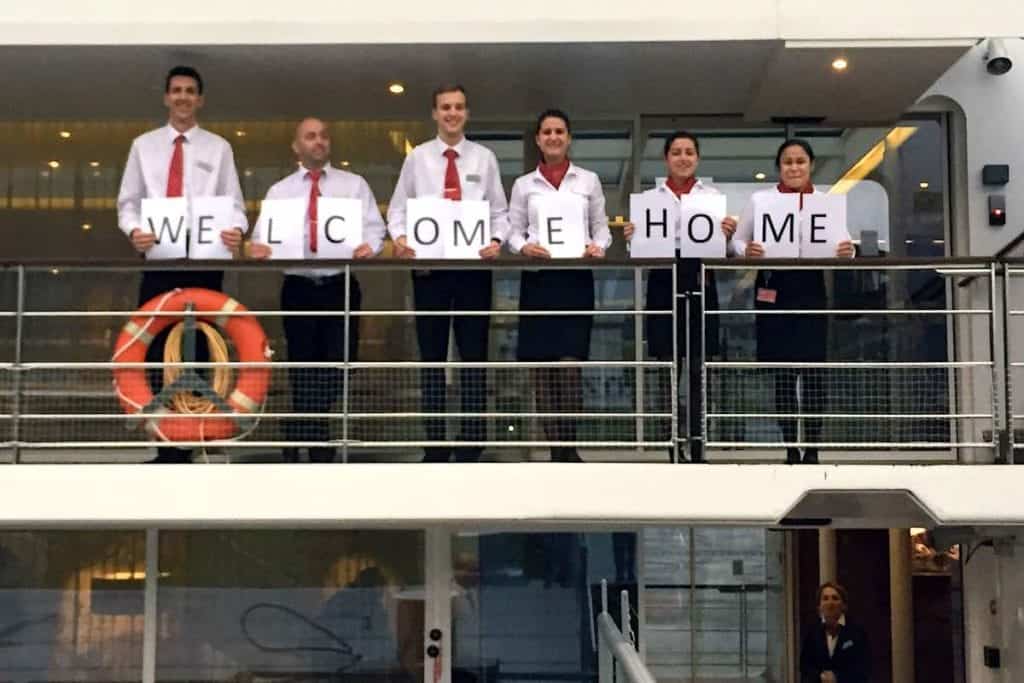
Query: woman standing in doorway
point(834, 650)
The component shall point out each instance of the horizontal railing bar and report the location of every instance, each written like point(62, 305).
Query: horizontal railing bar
point(510, 312)
point(851, 311)
point(861, 445)
point(852, 364)
point(858, 416)
point(106, 365)
point(48, 445)
point(327, 416)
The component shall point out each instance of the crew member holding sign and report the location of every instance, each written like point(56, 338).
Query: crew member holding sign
point(351, 232)
point(793, 219)
point(178, 160)
point(451, 167)
point(557, 211)
point(682, 155)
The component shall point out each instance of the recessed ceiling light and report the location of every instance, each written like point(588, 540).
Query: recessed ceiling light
point(53, 163)
point(86, 226)
point(840, 64)
point(94, 164)
point(65, 134)
point(248, 172)
point(239, 133)
point(760, 176)
point(396, 88)
point(346, 163)
point(55, 271)
point(923, 184)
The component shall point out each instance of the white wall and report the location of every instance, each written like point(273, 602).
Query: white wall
point(994, 612)
point(402, 21)
point(994, 111)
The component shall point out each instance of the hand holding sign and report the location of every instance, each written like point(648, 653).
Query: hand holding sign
point(655, 217)
point(166, 219)
point(560, 225)
point(700, 225)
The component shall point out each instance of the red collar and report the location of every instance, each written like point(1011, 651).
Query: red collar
point(681, 188)
point(785, 189)
point(554, 173)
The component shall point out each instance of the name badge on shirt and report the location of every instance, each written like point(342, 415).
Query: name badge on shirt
point(767, 296)
point(206, 166)
point(472, 178)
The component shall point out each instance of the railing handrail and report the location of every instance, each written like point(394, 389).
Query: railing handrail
point(618, 645)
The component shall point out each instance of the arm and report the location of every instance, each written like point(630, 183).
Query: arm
point(228, 185)
point(404, 189)
point(133, 189)
point(600, 235)
point(495, 194)
point(517, 219)
point(809, 670)
point(374, 229)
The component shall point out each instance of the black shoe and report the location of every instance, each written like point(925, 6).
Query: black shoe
point(290, 455)
point(171, 456)
point(437, 454)
point(811, 456)
point(792, 456)
point(565, 455)
point(321, 454)
point(468, 454)
point(697, 451)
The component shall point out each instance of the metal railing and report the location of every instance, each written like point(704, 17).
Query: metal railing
point(617, 658)
point(920, 365)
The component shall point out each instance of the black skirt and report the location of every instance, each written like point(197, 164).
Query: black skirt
point(792, 338)
point(658, 328)
point(554, 337)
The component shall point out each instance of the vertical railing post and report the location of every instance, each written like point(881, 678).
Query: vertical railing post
point(150, 617)
point(676, 365)
point(997, 439)
point(639, 375)
point(19, 332)
point(1008, 365)
point(346, 370)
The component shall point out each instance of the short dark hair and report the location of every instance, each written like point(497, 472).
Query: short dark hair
point(553, 114)
point(793, 142)
point(838, 588)
point(186, 71)
point(447, 87)
point(680, 135)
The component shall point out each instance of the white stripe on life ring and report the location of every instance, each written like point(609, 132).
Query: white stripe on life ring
point(229, 307)
point(243, 401)
point(138, 333)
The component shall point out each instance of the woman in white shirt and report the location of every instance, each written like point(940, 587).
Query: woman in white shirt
point(791, 338)
point(682, 156)
point(563, 337)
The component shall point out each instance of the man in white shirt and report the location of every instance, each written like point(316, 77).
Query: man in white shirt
point(178, 160)
point(319, 339)
point(452, 167)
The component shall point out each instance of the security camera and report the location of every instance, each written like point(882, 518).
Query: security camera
point(997, 62)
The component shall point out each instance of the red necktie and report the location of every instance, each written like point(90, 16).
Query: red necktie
point(176, 173)
point(314, 194)
point(452, 188)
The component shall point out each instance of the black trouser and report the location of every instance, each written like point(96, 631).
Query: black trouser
point(155, 283)
point(453, 290)
point(812, 400)
point(317, 339)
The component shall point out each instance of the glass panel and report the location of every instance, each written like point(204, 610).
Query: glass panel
point(71, 605)
point(303, 605)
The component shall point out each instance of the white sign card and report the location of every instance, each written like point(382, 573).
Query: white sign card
point(282, 226)
point(823, 226)
point(339, 227)
point(655, 218)
point(560, 225)
point(167, 220)
point(210, 216)
point(426, 221)
point(471, 229)
point(777, 224)
point(700, 226)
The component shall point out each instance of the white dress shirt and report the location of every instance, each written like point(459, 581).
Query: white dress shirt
point(208, 167)
point(333, 183)
point(830, 640)
point(698, 188)
point(423, 176)
point(522, 211)
point(745, 225)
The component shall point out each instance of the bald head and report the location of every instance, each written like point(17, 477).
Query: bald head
point(312, 144)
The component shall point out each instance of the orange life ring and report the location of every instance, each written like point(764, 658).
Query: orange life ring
point(246, 334)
